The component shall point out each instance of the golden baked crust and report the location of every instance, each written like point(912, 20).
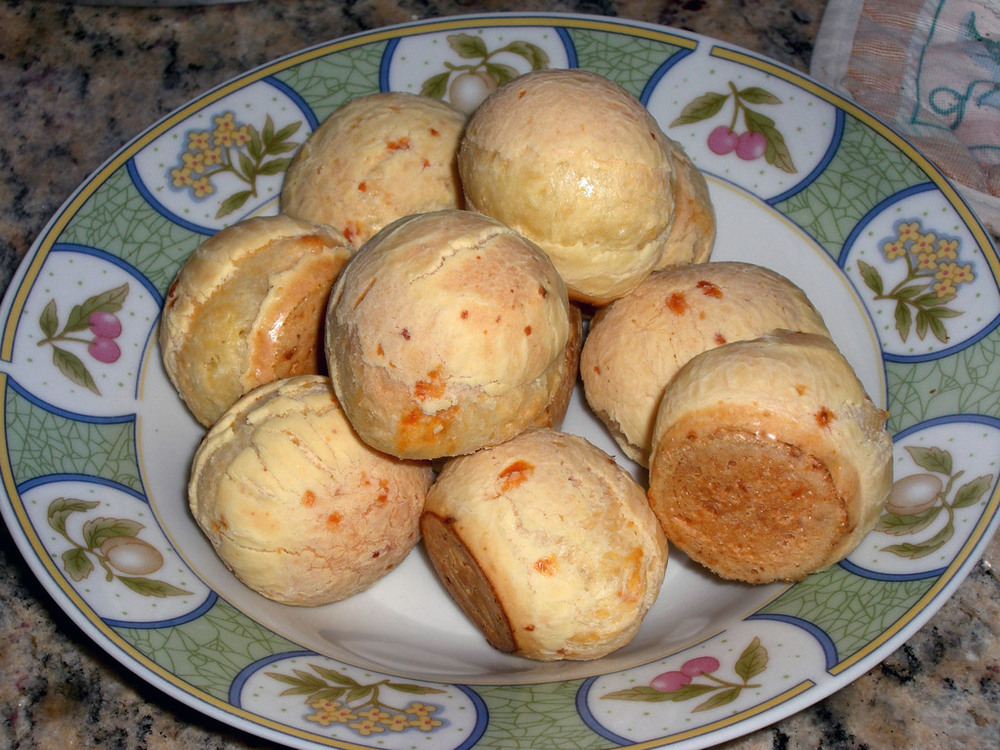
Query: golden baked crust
point(637, 344)
point(553, 414)
point(769, 460)
point(375, 159)
point(445, 333)
point(547, 544)
point(295, 503)
point(692, 236)
point(576, 164)
point(247, 308)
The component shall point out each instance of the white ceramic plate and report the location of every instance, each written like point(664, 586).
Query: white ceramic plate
point(97, 444)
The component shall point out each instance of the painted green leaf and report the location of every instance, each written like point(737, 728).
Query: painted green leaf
point(719, 699)
point(922, 549)
point(255, 148)
point(757, 95)
point(274, 166)
point(932, 459)
point(334, 676)
point(701, 108)
point(77, 564)
point(149, 587)
point(501, 73)
point(752, 661)
point(871, 276)
point(535, 55)
point(904, 319)
point(233, 202)
point(468, 46)
point(48, 321)
point(109, 301)
point(641, 693)
point(405, 687)
point(909, 292)
point(972, 492)
point(98, 530)
point(435, 86)
point(282, 135)
point(899, 525)
point(62, 507)
point(326, 694)
point(73, 368)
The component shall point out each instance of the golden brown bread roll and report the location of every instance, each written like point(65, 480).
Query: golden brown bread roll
point(247, 307)
point(446, 332)
point(376, 159)
point(295, 503)
point(769, 459)
point(576, 164)
point(547, 545)
point(637, 344)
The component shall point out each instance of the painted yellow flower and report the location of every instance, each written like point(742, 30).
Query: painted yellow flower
point(199, 141)
point(181, 177)
point(894, 250)
point(425, 723)
point(908, 232)
point(226, 122)
point(421, 709)
point(923, 243)
point(944, 287)
point(366, 727)
point(212, 156)
point(397, 722)
point(927, 261)
point(202, 187)
point(960, 274)
point(947, 249)
point(242, 136)
point(193, 161)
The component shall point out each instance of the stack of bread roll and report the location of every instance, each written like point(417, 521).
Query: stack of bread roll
point(458, 261)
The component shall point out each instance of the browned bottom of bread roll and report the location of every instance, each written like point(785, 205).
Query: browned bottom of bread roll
point(547, 545)
point(769, 460)
point(748, 507)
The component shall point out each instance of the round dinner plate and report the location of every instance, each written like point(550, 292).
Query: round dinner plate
point(97, 445)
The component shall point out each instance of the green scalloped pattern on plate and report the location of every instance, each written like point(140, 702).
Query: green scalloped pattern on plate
point(550, 721)
point(853, 611)
point(208, 653)
point(329, 81)
point(42, 443)
point(966, 382)
point(865, 170)
point(118, 220)
point(628, 61)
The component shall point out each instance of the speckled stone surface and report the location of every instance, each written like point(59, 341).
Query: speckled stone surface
point(79, 81)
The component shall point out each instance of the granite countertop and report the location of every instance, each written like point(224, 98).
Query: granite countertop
point(80, 81)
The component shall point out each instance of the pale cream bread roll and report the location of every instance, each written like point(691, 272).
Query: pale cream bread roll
point(445, 333)
point(375, 159)
point(247, 307)
point(637, 344)
point(295, 503)
point(575, 163)
point(769, 460)
point(547, 545)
